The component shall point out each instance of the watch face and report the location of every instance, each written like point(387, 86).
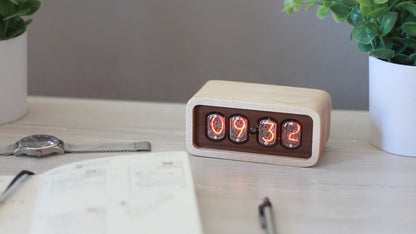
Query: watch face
point(39, 141)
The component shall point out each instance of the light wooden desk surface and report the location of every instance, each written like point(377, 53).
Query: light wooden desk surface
point(355, 188)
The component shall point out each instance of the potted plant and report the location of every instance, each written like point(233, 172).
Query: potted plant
point(386, 30)
point(13, 57)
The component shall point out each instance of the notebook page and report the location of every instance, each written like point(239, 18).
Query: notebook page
point(16, 211)
point(131, 193)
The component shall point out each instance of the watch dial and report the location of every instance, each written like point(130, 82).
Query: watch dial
point(39, 141)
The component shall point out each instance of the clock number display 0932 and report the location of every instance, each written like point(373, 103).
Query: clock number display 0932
point(267, 130)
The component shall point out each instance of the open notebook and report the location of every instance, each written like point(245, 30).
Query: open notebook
point(131, 193)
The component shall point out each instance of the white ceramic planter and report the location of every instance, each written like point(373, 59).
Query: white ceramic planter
point(13, 79)
point(392, 107)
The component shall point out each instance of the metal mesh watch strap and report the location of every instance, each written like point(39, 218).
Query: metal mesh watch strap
point(108, 147)
point(7, 150)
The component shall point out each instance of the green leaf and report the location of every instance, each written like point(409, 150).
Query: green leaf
point(365, 10)
point(412, 57)
point(388, 22)
point(364, 2)
point(1, 31)
point(5, 7)
point(11, 12)
point(15, 33)
point(379, 12)
point(288, 10)
point(407, 6)
point(291, 5)
point(339, 10)
point(409, 28)
point(364, 47)
point(355, 17)
point(409, 42)
point(18, 13)
point(409, 18)
point(382, 53)
point(322, 12)
point(402, 59)
point(339, 19)
point(385, 44)
point(25, 8)
point(371, 26)
point(362, 34)
point(297, 4)
point(400, 49)
point(348, 3)
point(17, 26)
point(32, 6)
point(310, 6)
point(380, 1)
point(288, 3)
point(288, 7)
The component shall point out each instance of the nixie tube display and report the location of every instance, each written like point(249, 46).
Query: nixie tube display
point(258, 123)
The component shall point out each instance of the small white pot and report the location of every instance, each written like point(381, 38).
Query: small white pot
point(392, 107)
point(13, 78)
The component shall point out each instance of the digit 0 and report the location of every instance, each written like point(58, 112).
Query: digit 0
point(215, 126)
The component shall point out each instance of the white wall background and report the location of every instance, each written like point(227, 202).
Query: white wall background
point(165, 50)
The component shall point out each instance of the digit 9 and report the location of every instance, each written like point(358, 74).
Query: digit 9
point(238, 128)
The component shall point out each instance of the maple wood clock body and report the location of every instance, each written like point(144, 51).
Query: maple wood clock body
point(258, 123)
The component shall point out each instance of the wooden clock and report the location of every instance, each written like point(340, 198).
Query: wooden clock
point(258, 123)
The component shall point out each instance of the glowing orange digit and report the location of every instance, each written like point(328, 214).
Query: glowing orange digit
point(270, 130)
point(291, 134)
point(267, 132)
point(213, 128)
point(295, 133)
point(239, 128)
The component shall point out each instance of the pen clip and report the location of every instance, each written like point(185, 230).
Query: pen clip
point(262, 206)
point(266, 216)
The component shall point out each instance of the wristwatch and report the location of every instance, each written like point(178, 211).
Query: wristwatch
point(43, 145)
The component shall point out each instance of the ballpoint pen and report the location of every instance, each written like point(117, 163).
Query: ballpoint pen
point(17, 181)
point(266, 213)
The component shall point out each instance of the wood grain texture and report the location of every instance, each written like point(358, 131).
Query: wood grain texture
point(313, 103)
point(354, 188)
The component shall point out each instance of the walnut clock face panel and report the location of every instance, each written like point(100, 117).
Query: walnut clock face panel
point(258, 123)
point(252, 131)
